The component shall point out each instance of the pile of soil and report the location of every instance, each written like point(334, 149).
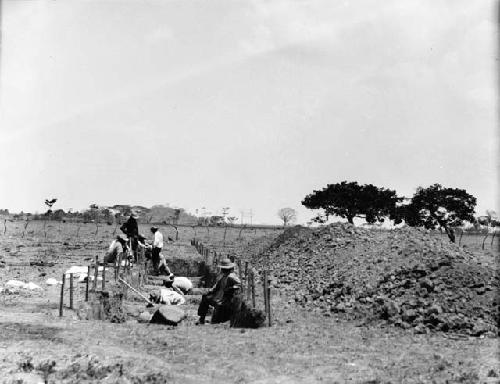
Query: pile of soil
point(410, 277)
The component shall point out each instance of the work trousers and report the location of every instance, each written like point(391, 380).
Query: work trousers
point(222, 311)
point(155, 258)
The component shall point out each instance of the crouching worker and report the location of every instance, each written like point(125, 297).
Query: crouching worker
point(167, 296)
point(118, 246)
point(221, 296)
point(178, 283)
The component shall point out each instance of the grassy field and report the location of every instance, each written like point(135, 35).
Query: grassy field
point(301, 347)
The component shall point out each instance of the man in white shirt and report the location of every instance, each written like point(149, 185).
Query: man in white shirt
point(178, 283)
point(157, 247)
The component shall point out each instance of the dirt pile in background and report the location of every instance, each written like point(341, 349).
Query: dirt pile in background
point(409, 277)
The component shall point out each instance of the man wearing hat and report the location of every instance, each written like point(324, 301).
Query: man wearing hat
point(117, 246)
point(157, 247)
point(131, 229)
point(220, 297)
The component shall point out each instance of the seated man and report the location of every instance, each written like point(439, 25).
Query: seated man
point(221, 296)
point(118, 246)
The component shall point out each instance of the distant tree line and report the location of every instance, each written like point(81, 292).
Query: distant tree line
point(118, 213)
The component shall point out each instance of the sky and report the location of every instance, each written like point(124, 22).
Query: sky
point(244, 104)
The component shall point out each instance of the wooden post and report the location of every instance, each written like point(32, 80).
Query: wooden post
point(61, 300)
point(71, 291)
point(240, 272)
point(264, 281)
point(96, 272)
point(269, 300)
point(119, 265)
point(247, 282)
point(253, 286)
point(87, 284)
point(103, 277)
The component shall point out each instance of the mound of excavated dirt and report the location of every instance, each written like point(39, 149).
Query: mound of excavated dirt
point(409, 277)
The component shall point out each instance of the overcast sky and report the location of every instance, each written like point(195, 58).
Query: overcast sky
point(246, 104)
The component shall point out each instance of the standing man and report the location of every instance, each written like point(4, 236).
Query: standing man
point(221, 296)
point(131, 229)
point(157, 247)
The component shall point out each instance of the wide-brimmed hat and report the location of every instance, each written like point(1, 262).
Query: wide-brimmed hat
point(226, 264)
point(134, 215)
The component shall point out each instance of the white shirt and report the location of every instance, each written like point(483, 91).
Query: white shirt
point(158, 240)
point(183, 283)
point(171, 297)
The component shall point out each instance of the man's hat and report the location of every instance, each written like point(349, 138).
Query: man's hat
point(153, 228)
point(134, 214)
point(226, 264)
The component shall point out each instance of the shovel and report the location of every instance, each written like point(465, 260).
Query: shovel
point(135, 290)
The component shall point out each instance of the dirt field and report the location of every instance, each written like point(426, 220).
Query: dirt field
point(36, 345)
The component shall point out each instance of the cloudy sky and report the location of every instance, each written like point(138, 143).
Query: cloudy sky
point(248, 104)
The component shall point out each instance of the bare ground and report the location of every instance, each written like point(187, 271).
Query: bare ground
point(36, 345)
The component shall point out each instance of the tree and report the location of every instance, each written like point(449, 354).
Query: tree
point(491, 222)
point(95, 215)
point(58, 214)
point(287, 215)
point(216, 220)
point(438, 207)
point(118, 221)
point(349, 200)
point(232, 220)
point(48, 203)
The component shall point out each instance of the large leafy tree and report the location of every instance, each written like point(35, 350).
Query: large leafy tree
point(350, 199)
point(439, 207)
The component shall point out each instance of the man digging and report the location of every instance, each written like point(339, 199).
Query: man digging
point(221, 296)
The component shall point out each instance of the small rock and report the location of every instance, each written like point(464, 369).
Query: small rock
point(144, 317)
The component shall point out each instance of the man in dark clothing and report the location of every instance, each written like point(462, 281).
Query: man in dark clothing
point(131, 229)
point(221, 296)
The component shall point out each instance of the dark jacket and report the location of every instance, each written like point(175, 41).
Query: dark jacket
point(130, 228)
point(225, 288)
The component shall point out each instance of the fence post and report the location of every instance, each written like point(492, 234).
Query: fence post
point(240, 272)
point(253, 286)
point(119, 265)
point(103, 277)
point(87, 284)
point(247, 282)
point(96, 272)
point(264, 281)
point(61, 300)
point(71, 291)
point(269, 299)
